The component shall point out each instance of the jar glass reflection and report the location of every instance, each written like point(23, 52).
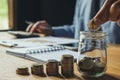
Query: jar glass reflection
point(93, 55)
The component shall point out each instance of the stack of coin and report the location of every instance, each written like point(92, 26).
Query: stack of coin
point(67, 65)
point(22, 70)
point(37, 69)
point(52, 67)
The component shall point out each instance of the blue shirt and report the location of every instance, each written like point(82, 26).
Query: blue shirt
point(80, 23)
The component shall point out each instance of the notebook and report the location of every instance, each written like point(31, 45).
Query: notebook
point(42, 54)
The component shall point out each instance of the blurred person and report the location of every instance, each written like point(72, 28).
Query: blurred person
point(107, 17)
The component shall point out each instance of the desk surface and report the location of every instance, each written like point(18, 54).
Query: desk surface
point(9, 64)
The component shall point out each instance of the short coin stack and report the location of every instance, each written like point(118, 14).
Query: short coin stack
point(52, 67)
point(37, 69)
point(22, 70)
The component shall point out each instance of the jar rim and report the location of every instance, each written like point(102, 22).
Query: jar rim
point(96, 34)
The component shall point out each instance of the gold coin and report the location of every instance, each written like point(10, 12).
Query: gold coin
point(92, 26)
point(86, 63)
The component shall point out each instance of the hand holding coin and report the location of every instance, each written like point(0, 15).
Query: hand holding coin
point(110, 11)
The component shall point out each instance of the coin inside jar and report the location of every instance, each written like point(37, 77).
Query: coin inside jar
point(86, 63)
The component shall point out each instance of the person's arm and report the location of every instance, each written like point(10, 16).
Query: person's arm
point(110, 11)
point(65, 31)
point(40, 27)
point(44, 28)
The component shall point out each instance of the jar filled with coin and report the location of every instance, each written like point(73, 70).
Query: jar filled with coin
point(92, 61)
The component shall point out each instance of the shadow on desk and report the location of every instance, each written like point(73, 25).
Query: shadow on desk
point(104, 77)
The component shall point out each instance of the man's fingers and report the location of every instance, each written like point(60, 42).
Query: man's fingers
point(29, 27)
point(34, 27)
point(43, 22)
point(39, 26)
point(115, 11)
point(103, 14)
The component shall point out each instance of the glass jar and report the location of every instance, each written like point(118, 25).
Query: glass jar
point(93, 55)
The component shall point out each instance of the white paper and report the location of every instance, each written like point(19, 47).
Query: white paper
point(40, 41)
point(41, 56)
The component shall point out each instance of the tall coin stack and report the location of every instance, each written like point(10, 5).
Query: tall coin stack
point(67, 65)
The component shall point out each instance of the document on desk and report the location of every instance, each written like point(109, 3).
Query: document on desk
point(42, 53)
point(37, 41)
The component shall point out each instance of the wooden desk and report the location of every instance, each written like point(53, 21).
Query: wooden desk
point(9, 63)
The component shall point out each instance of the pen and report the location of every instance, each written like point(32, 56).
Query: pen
point(8, 44)
point(32, 23)
point(29, 22)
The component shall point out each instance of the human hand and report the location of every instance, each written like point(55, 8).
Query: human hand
point(40, 27)
point(110, 11)
point(115, 12)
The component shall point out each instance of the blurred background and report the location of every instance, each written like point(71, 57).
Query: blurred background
point(3, 14)
point(14, 13)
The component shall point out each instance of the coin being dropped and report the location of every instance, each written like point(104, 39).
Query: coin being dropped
point(93, 26)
